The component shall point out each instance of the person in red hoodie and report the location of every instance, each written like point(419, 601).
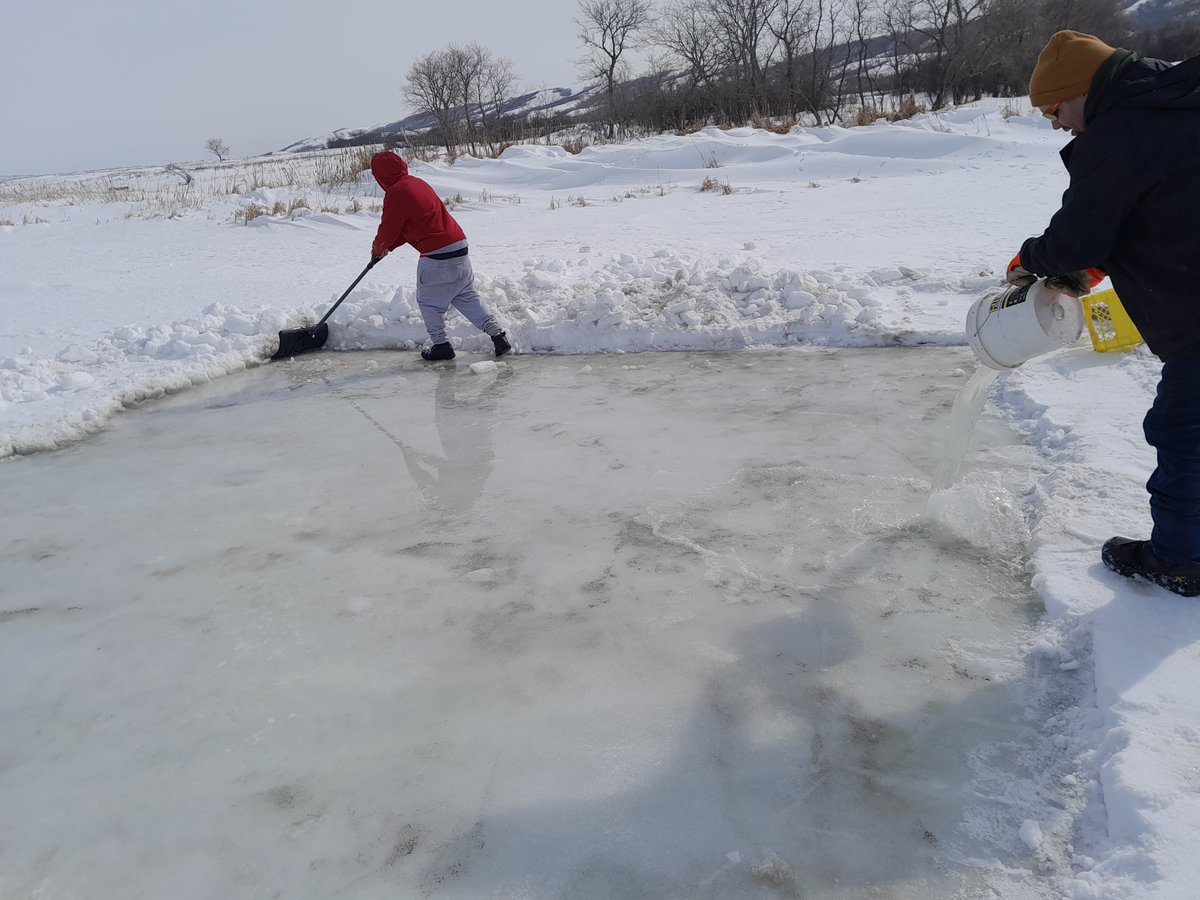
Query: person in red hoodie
point(414, 214)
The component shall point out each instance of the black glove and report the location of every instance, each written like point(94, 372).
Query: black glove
point(375, 259)
point(1020, 277)
point(1076, 284)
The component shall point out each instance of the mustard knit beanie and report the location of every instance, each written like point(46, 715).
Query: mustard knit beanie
point(1065, 67)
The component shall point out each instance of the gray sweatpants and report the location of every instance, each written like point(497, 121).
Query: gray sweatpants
point(442, 283)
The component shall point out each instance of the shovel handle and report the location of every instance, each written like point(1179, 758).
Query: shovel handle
point(360, 277)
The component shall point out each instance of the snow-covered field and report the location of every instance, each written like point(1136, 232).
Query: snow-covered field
point(129, 287)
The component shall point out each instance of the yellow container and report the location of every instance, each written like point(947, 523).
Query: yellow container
point(1108, 323)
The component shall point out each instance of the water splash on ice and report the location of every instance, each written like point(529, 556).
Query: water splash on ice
point(982, 511)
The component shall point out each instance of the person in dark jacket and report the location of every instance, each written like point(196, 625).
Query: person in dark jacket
point(1132, 210)
point(414, 214)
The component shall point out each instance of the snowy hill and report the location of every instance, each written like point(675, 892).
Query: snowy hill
point(1161, 13)
point(548, 102)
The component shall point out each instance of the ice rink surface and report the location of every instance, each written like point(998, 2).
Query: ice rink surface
point(622, 626)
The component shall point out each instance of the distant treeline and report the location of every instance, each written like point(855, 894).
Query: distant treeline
point(739, 61)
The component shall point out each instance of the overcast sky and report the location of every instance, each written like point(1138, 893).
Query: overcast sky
point(89, 84)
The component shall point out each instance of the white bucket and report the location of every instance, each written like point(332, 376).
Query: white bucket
point(1014, 325)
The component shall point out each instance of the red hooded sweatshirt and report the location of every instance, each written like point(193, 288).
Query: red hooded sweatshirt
point(412, 212)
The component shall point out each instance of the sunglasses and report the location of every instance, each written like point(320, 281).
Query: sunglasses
point(1051, 113)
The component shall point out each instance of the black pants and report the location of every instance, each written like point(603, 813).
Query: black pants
point(1173, 429)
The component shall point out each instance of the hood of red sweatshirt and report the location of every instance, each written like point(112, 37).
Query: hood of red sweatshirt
point(388, 168)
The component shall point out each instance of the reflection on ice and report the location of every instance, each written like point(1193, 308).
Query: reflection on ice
point(465, 411)
point(575, 628)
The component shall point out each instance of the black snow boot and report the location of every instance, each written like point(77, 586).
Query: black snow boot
point(502, 344)
point(438, 351)
point(1139, 559)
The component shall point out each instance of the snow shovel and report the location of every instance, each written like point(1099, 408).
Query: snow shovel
point(294, 341)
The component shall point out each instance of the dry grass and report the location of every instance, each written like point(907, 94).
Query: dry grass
point(775, 126)
point(908, 108)
point(249, 213)
point(575, 145)
point(425, 154)
point(262, 177)
point(716, 187)
point(47, 192)
point(343, 168)
point(867, 115)
point(154, 193)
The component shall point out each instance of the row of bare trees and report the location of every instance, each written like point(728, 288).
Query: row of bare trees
point(736, 60)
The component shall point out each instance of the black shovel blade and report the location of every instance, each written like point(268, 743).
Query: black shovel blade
point(295, 341)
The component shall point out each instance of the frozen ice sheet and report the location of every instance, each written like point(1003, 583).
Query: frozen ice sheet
point(657, 625)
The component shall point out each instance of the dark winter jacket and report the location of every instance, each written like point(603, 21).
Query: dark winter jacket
point(412, 212)
point(1133, 204)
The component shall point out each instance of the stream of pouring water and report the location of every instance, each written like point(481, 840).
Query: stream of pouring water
point(967, 407)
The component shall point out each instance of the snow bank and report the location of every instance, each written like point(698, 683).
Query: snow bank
point(1082, 411)
point(50, 402)
point(629, 303)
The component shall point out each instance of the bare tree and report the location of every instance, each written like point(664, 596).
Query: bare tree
point(483, 82)
point(462, 88)
point(217, 147)
point(954, 50)
point(685, 31)
point(744, 27)
point(689, 62)
point(496, 82)
point(896, 14)
point(607, 29)
point(430, 89)
point(828, 56)
point(1010, 25)
point(790, 25)
point(865, 31)
point(177, 169)
point(463, 65)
